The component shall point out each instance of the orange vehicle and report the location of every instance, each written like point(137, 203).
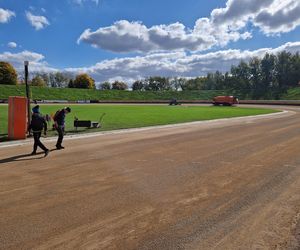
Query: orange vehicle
point(225, 100)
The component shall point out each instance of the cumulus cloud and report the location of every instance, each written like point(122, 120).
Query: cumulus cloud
point(237, 12)
point(6, 15)
point(168, 64)
point(37, 62)
point(223, 26)
point(12, 45)
point(124, 36)
point(270, 16)
point(174, 64)
point(38, 22)
point(129, 69)
point(281, 17)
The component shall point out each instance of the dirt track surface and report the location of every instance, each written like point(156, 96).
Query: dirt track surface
point(227, 185)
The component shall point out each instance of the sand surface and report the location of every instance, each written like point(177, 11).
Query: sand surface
point(233, 184)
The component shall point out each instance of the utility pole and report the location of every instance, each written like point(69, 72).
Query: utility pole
point(26, 64)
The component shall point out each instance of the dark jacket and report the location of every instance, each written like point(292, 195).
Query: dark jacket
point(38, 123)
point(60, 117)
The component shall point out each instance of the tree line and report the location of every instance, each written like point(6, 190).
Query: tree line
point(9, 76)
point(265, 78)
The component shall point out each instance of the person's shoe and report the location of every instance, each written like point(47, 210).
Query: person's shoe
point(47, 152)
point(33, 153)
point(59, 147)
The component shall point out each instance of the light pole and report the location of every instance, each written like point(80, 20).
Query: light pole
point(26, 64)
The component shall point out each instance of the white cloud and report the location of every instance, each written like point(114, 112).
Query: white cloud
point(38, 22)
point(36, 61)
point(169, 64)
point(281, 17)
point(174, 64)
point(237, 12)
point(126, 36)
point(12, 45)
point(122, 36)
point(270, 16)
point(82, 1)
point(224, 25)
point(6, 15)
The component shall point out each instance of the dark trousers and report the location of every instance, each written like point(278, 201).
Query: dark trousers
point(37, 142)
point(60, 130)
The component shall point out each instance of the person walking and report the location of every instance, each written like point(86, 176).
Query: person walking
point(59, 120)
point(37, 125)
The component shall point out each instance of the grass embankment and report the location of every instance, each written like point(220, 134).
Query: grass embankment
point(134, 116)
point(292, 94)
point(43, 93)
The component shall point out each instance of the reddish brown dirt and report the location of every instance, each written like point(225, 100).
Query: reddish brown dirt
point(227, 185)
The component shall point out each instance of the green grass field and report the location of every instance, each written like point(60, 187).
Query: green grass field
point(134, 116)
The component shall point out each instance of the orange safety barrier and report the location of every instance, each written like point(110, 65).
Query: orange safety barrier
point(17, 117)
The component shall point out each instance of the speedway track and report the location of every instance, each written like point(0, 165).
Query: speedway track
point(232, 184)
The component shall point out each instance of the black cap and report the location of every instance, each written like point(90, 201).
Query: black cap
point(68, 109)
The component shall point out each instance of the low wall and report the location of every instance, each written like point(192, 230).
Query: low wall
point(264, 102)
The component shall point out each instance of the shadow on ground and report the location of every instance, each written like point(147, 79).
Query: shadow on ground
point(24, 157)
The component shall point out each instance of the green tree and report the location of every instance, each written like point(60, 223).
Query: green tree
point(178, 83)
point(45, 77)
point(157, 83)
point(283, 73)
point(256, 78)
point(71, 84)
point(295, 74)
point(84, 81)
point(195, 84)
point(268, 75)
point(119, 85)
point(105, 86)
point(59, 79)
point(212, 81)
point(219, 79)
point(8, 74)
point(240, 79)
point(38, 81)
point(138, 85)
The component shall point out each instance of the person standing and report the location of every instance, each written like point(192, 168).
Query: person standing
point(59, 120)
point(37, 125)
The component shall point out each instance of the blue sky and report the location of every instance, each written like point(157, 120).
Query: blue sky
point(128, 40)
